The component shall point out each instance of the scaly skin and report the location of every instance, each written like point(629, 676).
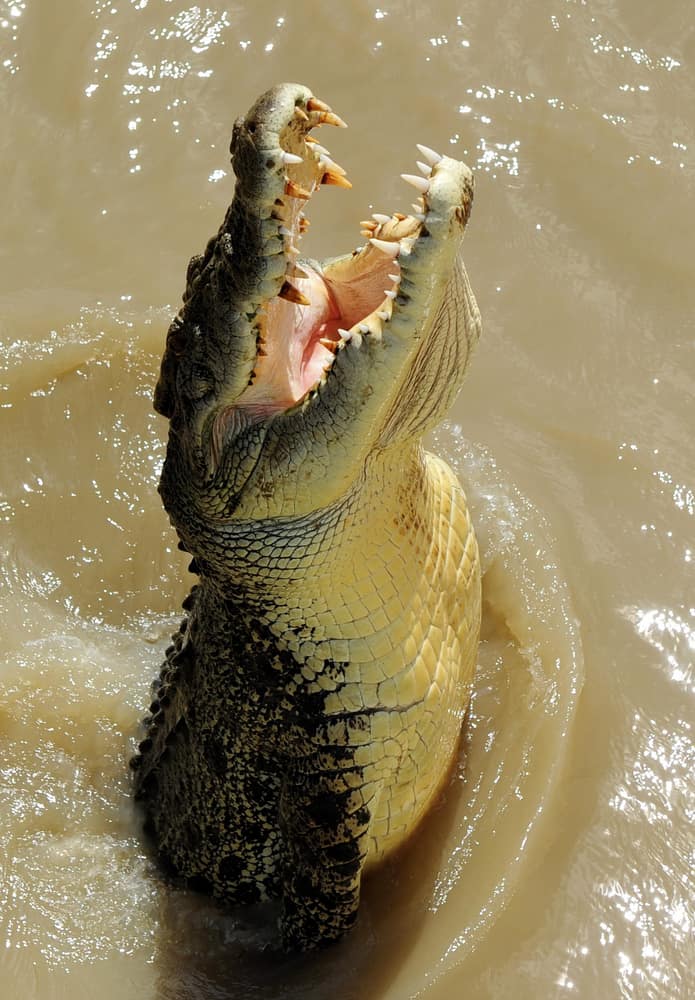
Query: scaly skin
point(310, 706)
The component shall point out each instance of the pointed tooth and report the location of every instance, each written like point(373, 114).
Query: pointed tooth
point(296, 271)
point(390, 294)
point(289, 158)
point(417, 205)
point(314, 104)
point(395, 277)
point(330, 345)
point(326, 163)
point(304, 224)
point(399, 216)
point(368, 224)
point(337, 179)
point(430, 155)
point(291, 248)
point(292, 294)
point(390, 247)
point(301, 113)
point(366, 233)
point(363, 328)
point(424, 168)
point(328, 118)
point(420, 216)
point(284, 231)
point(356, 338)
point(296, 190)
point(420, 183)
point(383, 315)
point(345, 334)
point(380, 218)
point(321, 150)
point(310, 139)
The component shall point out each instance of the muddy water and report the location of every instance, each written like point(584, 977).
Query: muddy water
point(560, 862)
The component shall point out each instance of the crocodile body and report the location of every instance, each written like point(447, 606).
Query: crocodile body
point(309, 708)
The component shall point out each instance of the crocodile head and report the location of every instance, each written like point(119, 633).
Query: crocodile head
point(283, 376)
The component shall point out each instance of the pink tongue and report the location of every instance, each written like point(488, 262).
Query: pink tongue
point(308, 357)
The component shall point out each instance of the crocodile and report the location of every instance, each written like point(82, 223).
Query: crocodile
point(309, 709)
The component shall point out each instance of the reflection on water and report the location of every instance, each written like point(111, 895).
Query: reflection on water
point(671, 631)
point(560, 862)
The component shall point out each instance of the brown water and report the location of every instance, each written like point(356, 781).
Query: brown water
point(561, 863)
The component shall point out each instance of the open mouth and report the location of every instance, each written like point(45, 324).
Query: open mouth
point(319, 310)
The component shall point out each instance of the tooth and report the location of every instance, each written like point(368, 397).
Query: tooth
point(383, 316)
point(345, 334)
point(326, 163)
point(321, 150)
point(330, 345)
point(291, 248)
point(399, 216)
point(328, 118)
point(314, 104)
point(301, 113)
point(395, 277)
point(292, 294)
point(420, 216)
point(390, 247)
point(296, 191)
point(363, 328)
point(338, 179)
point(420, 183)
point(356, 338)
point(366, 233)
point(380, 218)
point(424, 168)
point(430, 155)
point(289, 157)
point(310, 138)
point(296, 271)
point(304, 224)
point(417, 205)
point(284, 231)
point(368, 224)
point(390, 294)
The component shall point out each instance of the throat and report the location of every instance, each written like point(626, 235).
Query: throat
point(292, 357)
